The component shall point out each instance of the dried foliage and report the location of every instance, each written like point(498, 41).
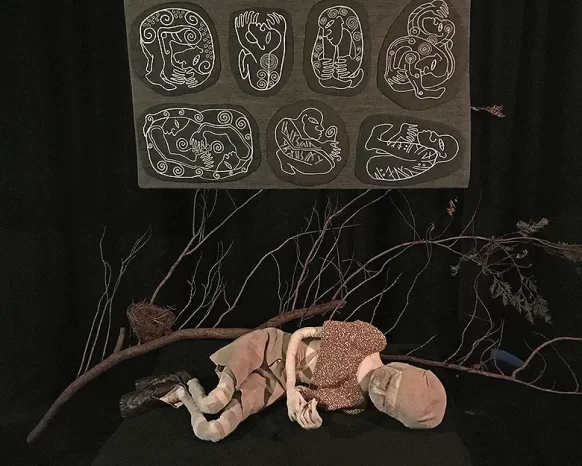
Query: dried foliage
point(531, 228)
point(494, 110)
point(505, 259)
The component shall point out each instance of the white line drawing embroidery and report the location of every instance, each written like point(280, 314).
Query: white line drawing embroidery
point(422, 61)
point(178, 47)
point(212, 144)
point(407, 152)
point(305, 145)
point(263, 47)
point(338, 50)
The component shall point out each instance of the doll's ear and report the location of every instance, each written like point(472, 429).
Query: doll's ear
point(384, 387)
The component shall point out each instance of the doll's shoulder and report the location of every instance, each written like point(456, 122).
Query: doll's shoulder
point(358, 334)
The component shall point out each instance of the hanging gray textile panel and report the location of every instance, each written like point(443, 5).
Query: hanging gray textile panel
point(282, 94)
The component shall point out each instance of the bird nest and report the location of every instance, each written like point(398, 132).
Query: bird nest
point(149, 321)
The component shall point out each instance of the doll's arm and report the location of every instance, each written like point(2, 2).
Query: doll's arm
point(291, 361)
point(298, 409)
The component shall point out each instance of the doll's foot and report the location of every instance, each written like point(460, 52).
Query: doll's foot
point(194, 384)
point(154, 392)
point(180, 377)
point(175, 396)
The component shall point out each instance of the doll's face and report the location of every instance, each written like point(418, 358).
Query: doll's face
point(383, 388)
point(412, 395)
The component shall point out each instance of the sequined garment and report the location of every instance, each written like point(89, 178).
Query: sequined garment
point(344, 345)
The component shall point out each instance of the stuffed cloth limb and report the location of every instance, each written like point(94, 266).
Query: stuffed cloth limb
point(234, 365)
point(305, 413)
point(247, 400)
point(218, 398)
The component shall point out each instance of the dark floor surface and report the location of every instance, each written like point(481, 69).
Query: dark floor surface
point(500, 423)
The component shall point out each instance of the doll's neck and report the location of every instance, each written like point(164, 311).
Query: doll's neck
point(367, 366)
point(311, 352)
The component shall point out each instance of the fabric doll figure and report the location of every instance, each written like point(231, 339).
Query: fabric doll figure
point(348, 367)
point(339, 364)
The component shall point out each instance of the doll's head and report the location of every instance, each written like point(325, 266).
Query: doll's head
point(413, 396)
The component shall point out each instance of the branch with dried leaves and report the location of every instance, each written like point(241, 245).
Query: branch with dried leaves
point(494, 110)
point(496, 258)
point(323, 275)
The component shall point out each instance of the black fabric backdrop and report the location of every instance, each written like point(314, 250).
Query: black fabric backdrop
point(68, 169)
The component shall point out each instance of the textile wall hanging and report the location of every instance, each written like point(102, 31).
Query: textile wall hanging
point(289, 93)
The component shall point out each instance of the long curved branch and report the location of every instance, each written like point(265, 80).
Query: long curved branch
point(186, 334)
point(471, 370)
point(563, 250)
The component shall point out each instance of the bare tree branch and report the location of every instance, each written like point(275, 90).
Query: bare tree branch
point(379, 295)
point(471, 370)
point(538, 349)
point(105, 304)
point(105, 296)
point(316, 245)
point(120, 340)
point(191, 247)
point(429, 257)
point(213, 288)
point(421, 346)
point(412, 226)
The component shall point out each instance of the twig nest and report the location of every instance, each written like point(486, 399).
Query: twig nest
point(149, 321)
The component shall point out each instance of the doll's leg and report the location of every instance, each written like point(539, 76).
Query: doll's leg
point(218, 398)
point(218, 429)
point(249, 399)
point(248, 358)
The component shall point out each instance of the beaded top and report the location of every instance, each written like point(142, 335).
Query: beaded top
point(344, 345)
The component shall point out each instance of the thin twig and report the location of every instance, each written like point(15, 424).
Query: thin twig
point(473, 314)
point(565, 363)
point(429, 257)
point(231, 306)
point(189, 249)
point(379, 295)
point(539, 348)
point(137, 246)
point(104, 296)
point(421, 346)
point(412, 226)
point(317, 244)
point(541, 374)
point(120, 340)
point(193, 289)
point(213, 287)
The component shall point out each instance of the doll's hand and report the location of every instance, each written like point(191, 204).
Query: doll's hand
point(301, 411)
point(295, 403)
point(309, 418)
